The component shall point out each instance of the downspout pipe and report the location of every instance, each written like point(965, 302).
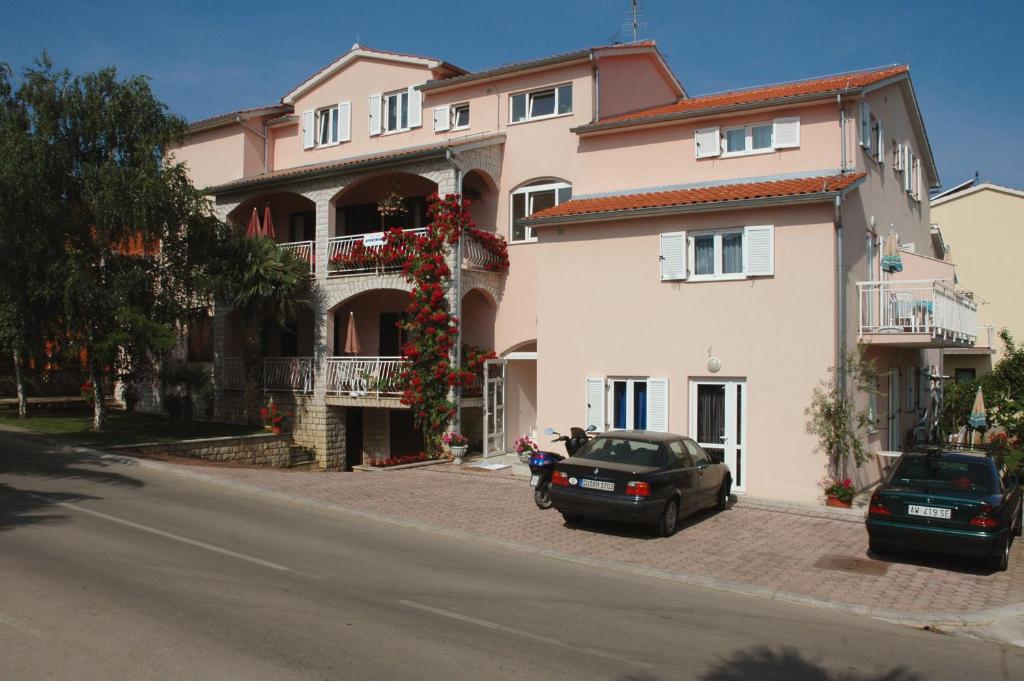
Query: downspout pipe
point(458, 292)
point(595, 109)
point(266, 166)
point(842, 133)
point(840, 300)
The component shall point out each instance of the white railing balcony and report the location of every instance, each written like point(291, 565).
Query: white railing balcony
point(232, 374)
point(361, 253)
point(929, 307)
point(370, 377)
point(288, 374)
point(304, 251)
point(475, 255)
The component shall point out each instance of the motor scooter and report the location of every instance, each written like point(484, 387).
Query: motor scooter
point(542, 464)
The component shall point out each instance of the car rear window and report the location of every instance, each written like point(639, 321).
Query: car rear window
point(633, 452)
point(919, 471)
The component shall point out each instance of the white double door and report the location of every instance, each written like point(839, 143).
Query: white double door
point(718, 422)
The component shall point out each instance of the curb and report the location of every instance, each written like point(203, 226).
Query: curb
point(917, 620)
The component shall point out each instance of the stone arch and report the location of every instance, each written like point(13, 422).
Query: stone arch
point(374, 313)
point(292, 213)
point(479, 311)
point(522, 346)
point(480, 189)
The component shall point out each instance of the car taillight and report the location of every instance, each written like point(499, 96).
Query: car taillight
point(877, 507)
point(637, 489)
point(984, 518)
point(560, 478)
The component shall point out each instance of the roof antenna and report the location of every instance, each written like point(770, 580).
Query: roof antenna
point(633, 23)
point(975, 177)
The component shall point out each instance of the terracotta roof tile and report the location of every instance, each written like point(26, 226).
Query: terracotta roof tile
point(765, 93)
point(701, 195)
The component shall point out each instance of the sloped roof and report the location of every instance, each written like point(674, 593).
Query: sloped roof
point(963, 190)
point(761, 95)
point(231, 116)
point(708, 196)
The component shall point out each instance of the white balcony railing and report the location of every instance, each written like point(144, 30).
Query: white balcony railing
point(920, 306)
point(345, 253)
point(280, 374)
point(288, 374)
point(475, 255)
point(304, 250)
point(365, 376)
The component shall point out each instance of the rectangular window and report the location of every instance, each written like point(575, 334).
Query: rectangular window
point(396, 111)
point(327, 126)
point(527, 106)
point(964, 375)
point(718, 255)
point(460, 116)
point(629, 404)
point(533, 198)
point(750, 139)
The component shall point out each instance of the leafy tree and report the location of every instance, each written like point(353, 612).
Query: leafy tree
point(30, 275)
point(1003, 389)
point(833, 416)
point(259, 279)
point(126, 216)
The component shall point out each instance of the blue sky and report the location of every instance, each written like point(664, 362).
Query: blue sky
point(966, 59)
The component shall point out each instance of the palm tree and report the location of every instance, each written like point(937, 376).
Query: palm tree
point(260, 279)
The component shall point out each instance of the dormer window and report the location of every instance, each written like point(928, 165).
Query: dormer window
point(546, 103)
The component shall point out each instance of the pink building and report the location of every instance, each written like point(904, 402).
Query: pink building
point(690, 264)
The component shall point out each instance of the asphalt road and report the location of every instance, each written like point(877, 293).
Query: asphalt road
point(115, 571)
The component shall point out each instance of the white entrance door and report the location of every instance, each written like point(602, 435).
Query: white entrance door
point(718, 422)
point(494, 407)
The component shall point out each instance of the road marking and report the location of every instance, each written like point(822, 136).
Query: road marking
point(166, 535)
point(519, 632)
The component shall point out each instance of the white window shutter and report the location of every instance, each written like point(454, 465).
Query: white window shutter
point(708, 142)
point(415, 108)
point(908, 171)
point(880, 154)
point(759, 251)
point(786, 132)
point(307, 129)
point(375, 114)
point(442, 118)
point(344, 121)
point(865, 124)
point(595, 403)
point(673, 256)
point(657, 404)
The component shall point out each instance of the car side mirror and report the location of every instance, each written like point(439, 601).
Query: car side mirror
point(703, 463)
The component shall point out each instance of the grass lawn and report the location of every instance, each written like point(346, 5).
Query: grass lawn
point(74, 425)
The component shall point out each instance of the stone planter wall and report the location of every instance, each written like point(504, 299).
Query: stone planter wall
point(259, 450)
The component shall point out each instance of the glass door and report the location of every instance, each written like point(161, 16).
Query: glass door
point(718, 418)
point(494, 407)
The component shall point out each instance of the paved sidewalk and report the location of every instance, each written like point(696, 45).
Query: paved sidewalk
point(813, 556)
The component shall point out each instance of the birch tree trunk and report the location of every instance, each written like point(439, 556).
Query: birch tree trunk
point(19, 380)
point(99, 405)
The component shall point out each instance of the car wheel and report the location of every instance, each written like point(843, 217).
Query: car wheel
point(1001, 560)
point(723, 495)
point(542, 496)
point(878, 548)
point(572, 518)
point(669, 519)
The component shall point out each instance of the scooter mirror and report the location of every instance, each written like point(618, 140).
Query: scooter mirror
point(550, 431)
point(591, 428)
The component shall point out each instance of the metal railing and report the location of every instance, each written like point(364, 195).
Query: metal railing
point(279, 374)
point(917, 306)
point(365, 376)
point(342, 252)
point(304, 251)
point(475, 255)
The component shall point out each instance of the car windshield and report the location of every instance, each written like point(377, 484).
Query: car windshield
point(921, 471)
point(620, 450)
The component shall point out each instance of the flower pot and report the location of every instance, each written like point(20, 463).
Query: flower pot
point(836, 502)
point(458, 452)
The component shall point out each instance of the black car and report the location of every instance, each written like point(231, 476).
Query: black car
point(947, 501)
point(639, 476)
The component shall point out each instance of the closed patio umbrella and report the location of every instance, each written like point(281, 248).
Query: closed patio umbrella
point(352, 346)
point(268, 223)
point(253, 230)
point(891, 261)
point(979, 417)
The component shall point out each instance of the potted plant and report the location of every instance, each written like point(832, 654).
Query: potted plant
point(525, 448)
point(838, 494)
point(457, 444)
point(274, 419)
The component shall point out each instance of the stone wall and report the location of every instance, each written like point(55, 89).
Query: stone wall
point(259, 450)
point(376, 435)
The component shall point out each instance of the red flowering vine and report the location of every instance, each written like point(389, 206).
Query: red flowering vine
point(493, 244)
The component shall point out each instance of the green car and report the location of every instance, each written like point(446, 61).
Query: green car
point(947, 501)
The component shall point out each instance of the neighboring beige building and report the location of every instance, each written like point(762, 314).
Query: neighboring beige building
point(983, 226)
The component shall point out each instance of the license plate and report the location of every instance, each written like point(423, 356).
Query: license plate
point(534, 479)
point(930, 512)
point(598, 484)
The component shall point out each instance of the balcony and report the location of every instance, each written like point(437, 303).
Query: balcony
point(363, 254)
point(304, 251)
point(921, 313)
point(279, 374)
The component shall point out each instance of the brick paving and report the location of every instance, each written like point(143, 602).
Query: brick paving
point(817, 555)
